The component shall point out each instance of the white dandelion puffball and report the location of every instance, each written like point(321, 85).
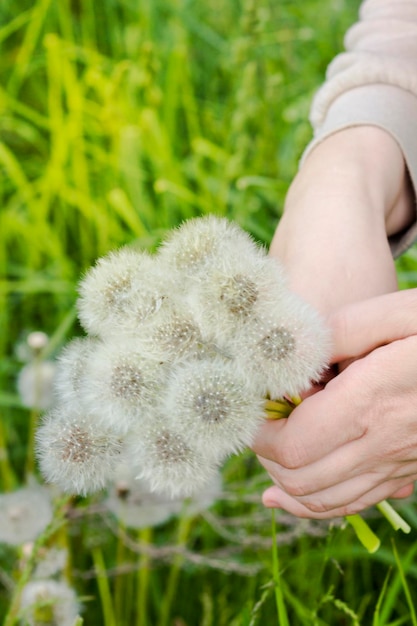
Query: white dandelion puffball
point(234, 291)
point(168, 461)
point(121, 384)
point(174, 334)
point(122, 291)
point(215, 405)
point(71, 367)
point(191, 247)
point(35, 384)
point(75, 452)
point(24, 514)
point(48, 603)
point(287, 351)
point(131, 500)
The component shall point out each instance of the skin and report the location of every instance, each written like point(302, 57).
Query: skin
point(353, 440)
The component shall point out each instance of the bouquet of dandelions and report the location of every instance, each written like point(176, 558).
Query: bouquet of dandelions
point(187, 351)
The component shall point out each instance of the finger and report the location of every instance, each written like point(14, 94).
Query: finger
point(362, 326)
point(274, 497)
point(342, 476)
point(404, 492)
point(311, 432)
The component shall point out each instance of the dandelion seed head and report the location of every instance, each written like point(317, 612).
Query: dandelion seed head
point(37, 340)
point(24, 514)
point(233, 291)
point(177, 336)
point(75, 452)
point(214, 402)
point(132, 501)
point(287, 351)
point(35, 384)
point(200, 241)
point(71, 368)
point(120, 383)
point(168, 461)
point(277, 344)
point(123, 290)
point(239, 295)
point(48, 603)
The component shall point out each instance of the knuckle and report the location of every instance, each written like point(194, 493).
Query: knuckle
point(293, 487)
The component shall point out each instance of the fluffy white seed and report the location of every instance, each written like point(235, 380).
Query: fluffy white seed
point(169, 461)
point(234, 291)
point(121, 383)
point(131, 500)
point(286, 351)
point(215, 404)
point(190, 248)
point(71, 368)
point(120, 293)
point(75, 452)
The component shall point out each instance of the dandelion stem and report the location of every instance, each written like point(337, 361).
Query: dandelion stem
point(279, 596)
point(183, 531)
point(145, 537)
point(103, 587)
point(394, 518)
point(365, 535)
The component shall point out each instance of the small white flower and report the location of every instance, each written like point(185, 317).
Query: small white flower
point(24, 514)
point(75, 452)
point(215, 404)
point(121, 383)
point(35, 384)
point(123, 290)
point(169, 461)
point(48, 603)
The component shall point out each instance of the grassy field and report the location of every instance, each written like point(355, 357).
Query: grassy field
point(120, 119)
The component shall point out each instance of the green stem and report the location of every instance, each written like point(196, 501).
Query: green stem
point(103, 587)
point(145, 537)
point(394, 518)
point(365, 535)
point(171, 587)
point(279, 596)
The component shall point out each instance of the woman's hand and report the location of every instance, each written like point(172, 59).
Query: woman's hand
point(354, 443)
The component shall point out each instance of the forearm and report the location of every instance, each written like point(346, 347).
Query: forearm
point(350, 193)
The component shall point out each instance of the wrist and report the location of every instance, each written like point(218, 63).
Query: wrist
point(364, 166)
point(339, 210)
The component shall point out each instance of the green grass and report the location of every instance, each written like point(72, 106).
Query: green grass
point(118, 121)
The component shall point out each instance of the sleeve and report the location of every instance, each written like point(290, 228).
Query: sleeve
point(374, 81)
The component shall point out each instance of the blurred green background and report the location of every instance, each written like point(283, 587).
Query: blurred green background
point(118, 120)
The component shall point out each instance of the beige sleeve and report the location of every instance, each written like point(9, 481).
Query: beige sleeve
point(375, 82)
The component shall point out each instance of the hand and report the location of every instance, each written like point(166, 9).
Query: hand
point(354, 443)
